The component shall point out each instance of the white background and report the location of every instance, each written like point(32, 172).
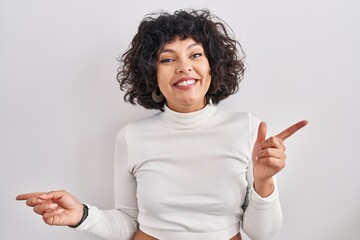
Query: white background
point(61, 107)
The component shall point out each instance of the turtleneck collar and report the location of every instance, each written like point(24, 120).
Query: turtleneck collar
point(188, 120)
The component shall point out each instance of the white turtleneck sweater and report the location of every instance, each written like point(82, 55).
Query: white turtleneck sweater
point(187, 176)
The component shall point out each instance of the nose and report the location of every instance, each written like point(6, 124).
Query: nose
point(184, 66)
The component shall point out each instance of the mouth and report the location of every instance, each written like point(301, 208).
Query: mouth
point(185, 82)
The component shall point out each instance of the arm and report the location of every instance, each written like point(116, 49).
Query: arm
point(111, 224)
point(263, 217)
point(62, 209)
point(120, 223)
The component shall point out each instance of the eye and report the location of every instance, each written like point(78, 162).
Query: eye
point(197, 55)
point(166, 60)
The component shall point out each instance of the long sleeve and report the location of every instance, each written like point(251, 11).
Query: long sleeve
point(263, 216)
point(119, 223)
point(109, 224)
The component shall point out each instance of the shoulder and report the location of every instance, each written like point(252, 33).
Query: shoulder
point(143, 122)
point(238, 117)
point(138, 126)
point(244, 122)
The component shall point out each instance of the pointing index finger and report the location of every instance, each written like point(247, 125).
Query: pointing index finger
point(29, 195)
point(291, 130)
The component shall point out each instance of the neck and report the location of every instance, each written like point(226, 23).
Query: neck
point(184, 108)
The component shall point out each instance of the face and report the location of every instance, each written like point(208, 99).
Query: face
point(183, 74)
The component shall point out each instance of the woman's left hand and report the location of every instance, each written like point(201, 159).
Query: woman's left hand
point(269, 157)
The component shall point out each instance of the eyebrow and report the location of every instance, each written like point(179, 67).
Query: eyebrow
point(187, 48)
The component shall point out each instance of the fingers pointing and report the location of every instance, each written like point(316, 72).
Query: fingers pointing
point(29, 195)
point(276, 141)
point(42, 195)
point(291, 130)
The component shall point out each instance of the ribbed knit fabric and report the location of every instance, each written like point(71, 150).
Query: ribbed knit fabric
point(187, 176)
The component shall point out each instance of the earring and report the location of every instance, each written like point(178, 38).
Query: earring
point(157, 96)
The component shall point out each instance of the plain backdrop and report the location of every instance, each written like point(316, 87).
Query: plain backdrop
point(61, 107)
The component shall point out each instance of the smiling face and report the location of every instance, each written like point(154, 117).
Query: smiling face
point(183, 74)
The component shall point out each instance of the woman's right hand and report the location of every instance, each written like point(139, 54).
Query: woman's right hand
point(56, 207)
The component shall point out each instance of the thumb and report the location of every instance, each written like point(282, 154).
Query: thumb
point(53, 195)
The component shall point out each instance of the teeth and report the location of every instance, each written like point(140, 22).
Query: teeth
point(185, 83)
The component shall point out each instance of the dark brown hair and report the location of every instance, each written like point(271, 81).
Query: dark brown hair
point(137, 75)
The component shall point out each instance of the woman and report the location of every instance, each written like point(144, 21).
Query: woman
point(191, 171)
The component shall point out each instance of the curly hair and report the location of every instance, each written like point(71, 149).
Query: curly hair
point(138, 75)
